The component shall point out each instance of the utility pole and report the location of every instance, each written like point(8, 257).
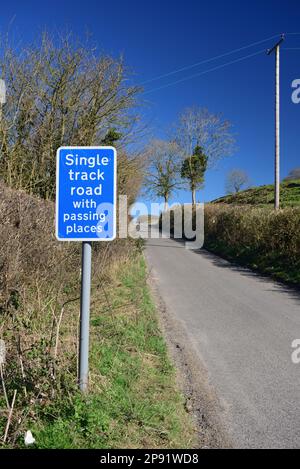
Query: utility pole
point(276, 49)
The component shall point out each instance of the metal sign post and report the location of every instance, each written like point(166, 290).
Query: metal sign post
point(85, 211)
point(86, 268)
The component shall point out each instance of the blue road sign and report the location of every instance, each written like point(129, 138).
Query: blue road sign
point(86, 193)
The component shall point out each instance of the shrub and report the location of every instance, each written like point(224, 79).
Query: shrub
point(59, 92)
point(259, 237)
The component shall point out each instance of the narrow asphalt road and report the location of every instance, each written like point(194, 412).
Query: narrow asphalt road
point(241, 326)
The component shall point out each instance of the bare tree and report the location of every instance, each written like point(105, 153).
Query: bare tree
point(197, 127)
point(58, 93)
point(161, 175)
point(235, 180)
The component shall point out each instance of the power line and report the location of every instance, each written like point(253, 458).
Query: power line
point(188, 67)
point(205, 71)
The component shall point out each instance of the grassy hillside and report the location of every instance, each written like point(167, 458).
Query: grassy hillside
point(264, 195)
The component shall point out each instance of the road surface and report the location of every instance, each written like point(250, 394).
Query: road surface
point(241, 326)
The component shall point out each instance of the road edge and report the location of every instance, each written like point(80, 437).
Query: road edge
point(191, 376)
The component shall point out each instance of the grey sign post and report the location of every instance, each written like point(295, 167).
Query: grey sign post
point(86, 267)
point(85, 211)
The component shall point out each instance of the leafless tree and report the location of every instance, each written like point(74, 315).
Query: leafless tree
point(236, 180)
point(197, 127)
point(59, 92)
point(162, 172)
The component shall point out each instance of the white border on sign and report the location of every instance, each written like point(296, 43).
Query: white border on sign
point(115, 193)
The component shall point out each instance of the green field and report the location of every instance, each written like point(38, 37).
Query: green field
point(264, 195)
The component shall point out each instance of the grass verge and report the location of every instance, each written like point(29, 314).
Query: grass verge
point(133, 400)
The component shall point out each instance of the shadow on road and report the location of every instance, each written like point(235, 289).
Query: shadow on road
point(292, 291)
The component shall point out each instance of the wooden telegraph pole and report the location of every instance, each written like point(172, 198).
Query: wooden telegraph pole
point(276, 49)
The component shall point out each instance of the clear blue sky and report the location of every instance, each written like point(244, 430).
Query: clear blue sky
point(157, 37)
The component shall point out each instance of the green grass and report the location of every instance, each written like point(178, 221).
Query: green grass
point(133, 400)
point(264, 195)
